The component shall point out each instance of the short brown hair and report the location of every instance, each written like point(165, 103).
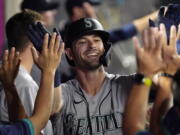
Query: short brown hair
point(16, 28)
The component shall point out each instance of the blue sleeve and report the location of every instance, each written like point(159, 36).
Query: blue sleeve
point(23, 127)
point(143, 133)
point(123, 33)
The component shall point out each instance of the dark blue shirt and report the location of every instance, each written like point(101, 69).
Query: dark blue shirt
point(122, 33)
point(23, 127)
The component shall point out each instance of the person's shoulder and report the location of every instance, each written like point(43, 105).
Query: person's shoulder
point(70, 85)
point(25, 81)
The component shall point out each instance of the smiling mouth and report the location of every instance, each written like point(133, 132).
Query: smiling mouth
point(92, 55)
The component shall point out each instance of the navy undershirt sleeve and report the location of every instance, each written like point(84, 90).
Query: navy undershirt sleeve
point(122, 33)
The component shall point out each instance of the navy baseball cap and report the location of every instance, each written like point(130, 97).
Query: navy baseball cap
point(39, 5)
point(72, 3)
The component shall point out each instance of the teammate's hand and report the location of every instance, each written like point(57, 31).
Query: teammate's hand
point(170, 54)
point(10, 67)
point(149, 56)
point(50, 56)
point(168, 16)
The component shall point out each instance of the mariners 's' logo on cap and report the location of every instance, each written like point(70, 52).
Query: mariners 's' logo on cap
point(88, 23)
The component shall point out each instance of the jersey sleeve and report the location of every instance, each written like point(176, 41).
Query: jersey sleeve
point(27, 95)
point(23, 127)
point(123, 33)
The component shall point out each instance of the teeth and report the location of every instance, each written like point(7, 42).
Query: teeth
point(92, 54)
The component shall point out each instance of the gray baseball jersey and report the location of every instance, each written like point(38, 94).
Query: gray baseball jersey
point(101, 114)
point(27, 90)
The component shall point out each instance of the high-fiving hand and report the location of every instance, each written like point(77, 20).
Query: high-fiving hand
point(10, 67)
point(50, 56)
point(149, 56)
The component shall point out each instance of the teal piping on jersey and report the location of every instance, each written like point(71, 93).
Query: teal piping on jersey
point(30, 125)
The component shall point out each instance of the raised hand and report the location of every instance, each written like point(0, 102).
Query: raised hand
point(9, 68)
point(50, 56)
point(149, 56)
point(170, 55)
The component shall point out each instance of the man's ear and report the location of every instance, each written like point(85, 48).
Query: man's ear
point(69, 54)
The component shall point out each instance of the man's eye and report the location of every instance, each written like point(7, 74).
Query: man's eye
point(82, 43)
point(97, 40)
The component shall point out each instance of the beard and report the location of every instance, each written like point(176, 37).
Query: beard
point(92, 66)
point(88, 65)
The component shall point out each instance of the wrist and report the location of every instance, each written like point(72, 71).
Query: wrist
point(146, 74)
point(165, 79)
point(142, 79)
point(48, 71)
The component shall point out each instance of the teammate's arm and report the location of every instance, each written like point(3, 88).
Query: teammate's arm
point(8, 72)
point(164, 96)
point(131, 29)
point(48, 62)
point(143, 23)
point(57, 103)
point(147, 59)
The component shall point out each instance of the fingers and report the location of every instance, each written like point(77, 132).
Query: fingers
point(145, 38)
point(5, 58)
point(57, 43)
point(178, 33)
point(61, 49)
point(34, 54)
point(52, 42)
point(17, 58)
point(136, 45)
point(12, 56)
point(45, 42)
point(149, 40)
point(173, 36)
point(11, 59)
point(164, 36)
point(159, 41)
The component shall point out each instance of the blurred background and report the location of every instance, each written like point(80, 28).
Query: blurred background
point(111, 13)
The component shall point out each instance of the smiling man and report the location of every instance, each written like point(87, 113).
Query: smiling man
point(93, 102)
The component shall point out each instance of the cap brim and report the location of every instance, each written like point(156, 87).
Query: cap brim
point(103, 34)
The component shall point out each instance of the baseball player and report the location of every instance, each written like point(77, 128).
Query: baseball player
point(48, 63)
point(27, 88)
point(77, 9)
point(93, 102)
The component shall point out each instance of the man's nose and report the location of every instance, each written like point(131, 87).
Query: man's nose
point(91, 44)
